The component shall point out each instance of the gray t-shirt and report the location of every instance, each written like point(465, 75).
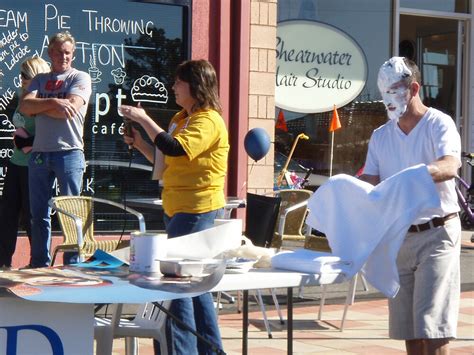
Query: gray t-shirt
point(54, 134)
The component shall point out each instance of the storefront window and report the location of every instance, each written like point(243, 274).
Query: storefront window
point(461, 6)
point(128, 48)
point(368, 23)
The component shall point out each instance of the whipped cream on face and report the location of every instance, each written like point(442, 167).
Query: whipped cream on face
point(394, 93)
point(396, 102)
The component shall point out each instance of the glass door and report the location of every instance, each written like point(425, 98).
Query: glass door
point(435, 44)
point(438, 45)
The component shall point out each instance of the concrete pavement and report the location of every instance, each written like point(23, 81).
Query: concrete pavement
point(365, 331)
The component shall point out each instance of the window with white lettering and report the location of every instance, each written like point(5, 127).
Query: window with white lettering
point(130, 49)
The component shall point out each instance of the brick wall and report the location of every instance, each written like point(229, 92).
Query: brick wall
point(263, 19)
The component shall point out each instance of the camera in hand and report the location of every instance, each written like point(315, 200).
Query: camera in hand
point(127, 127)
point(127, 130)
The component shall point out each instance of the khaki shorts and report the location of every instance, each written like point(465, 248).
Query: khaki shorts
point(427, 305)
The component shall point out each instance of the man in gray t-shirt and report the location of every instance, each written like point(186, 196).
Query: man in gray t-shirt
point(58, 101)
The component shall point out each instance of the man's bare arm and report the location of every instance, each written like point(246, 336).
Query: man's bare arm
point(445, 168)
point(75, 100)
point(442, 169)
point(31, 105)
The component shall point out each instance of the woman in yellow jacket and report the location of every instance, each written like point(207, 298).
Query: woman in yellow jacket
point(195, 149)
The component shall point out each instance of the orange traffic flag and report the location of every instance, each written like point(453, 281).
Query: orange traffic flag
point(281, 123)
point(335, 123)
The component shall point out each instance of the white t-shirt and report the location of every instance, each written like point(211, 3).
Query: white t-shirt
point(391, 150)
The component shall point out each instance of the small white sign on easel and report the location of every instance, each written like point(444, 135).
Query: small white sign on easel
point(28, 327)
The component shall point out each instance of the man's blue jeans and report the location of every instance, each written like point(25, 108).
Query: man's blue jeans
point(198, 312)
point(68, 168)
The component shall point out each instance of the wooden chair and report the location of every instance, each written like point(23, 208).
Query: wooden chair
point(291, 216)
point(75, 215)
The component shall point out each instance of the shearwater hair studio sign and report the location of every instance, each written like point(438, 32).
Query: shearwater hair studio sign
point(318, 66)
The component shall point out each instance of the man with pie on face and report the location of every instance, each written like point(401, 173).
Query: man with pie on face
point(425, 310)
point(58, 102)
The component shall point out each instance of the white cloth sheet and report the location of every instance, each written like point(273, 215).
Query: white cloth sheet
point(209, 243)
point(313, 262)
point(366, 224)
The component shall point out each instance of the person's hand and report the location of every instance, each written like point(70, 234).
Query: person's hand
point(66, 107)
point(432, 169)
point(133, 113)
point(134, 139)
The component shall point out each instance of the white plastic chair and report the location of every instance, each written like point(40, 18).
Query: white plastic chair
point(350, 292)
point(149, 322)
point(349, 300)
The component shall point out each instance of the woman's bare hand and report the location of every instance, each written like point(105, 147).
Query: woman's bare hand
point(136, 114)
point(135, 139)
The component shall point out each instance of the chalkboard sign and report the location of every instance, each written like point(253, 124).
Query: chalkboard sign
point(130, 49)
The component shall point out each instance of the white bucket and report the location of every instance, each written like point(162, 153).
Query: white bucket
point(145, 249)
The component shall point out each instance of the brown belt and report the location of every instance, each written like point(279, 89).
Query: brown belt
point(434, 223)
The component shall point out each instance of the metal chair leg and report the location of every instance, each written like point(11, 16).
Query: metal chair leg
point(218, 303)
point(321, 303)
point(239, 302)
point(301, 292)
point(277, 306)
point(364, 283)
point(352, 288)
point(264, 313)
point(227, 296)
point(131, 346)
point(349, 300)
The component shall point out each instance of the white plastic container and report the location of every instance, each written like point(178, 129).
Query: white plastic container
point(181, 267)
point(145, 249)
point(188, 267)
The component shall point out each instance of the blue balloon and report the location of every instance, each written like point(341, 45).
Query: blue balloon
point(257, 143)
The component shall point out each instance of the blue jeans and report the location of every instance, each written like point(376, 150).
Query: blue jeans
point(68, 168)
point(198, 312)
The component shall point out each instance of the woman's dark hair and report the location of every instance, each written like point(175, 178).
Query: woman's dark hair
point(202, 80)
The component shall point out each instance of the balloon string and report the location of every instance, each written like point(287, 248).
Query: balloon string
point(245, 182)
point(241, 189)
point(251, 168)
